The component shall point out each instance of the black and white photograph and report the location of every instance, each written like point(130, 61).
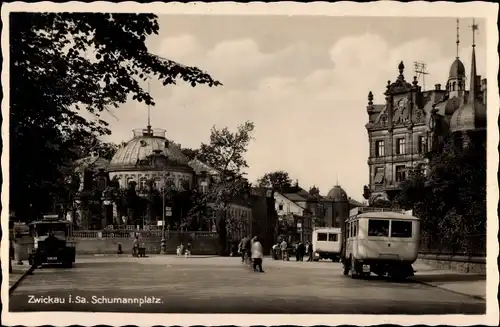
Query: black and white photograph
point(280, 163)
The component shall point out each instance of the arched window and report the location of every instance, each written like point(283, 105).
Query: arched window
point(158, 183)
point(130, 180)
point(454, 86)
point(143, 183)
point(459, 85)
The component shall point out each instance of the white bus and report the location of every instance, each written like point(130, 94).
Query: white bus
point(327, 243)
point(380, 241)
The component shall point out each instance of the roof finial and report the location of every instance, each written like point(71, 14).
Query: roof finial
point(458, 36)
point(337, 179)
point(474, 27)
point(472, 90)
point(149, 111)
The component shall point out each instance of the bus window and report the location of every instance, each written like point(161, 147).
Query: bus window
point(322, 237)
point(378, 227)
point(333, 238)
point(401, 229)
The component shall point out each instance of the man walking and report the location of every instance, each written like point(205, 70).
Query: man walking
point(284, 252)
point(309, 252)
point(257, 255)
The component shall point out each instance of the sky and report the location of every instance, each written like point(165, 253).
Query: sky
point(302, 80)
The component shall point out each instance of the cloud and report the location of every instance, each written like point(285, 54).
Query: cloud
point(309, 107)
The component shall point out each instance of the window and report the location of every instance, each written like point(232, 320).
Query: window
point(379, 175)
point(143, 183)
point(322, 237)
point(379, 148)
point(158, 184)
point(400, 146)
point(333, 238)
point(422, 144)
point(402, 229)
point(280, 207)
point(355, 229)
point(378, 227)
point(400, 173)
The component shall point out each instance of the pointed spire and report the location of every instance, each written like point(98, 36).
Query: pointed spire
point(473, 75)
point(337, 179)
point(458, 36)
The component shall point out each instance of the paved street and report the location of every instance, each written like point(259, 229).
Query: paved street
point(224, 285)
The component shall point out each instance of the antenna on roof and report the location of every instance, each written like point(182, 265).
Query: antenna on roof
point(420, 69)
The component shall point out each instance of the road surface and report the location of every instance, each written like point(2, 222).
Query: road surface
point(224, 285)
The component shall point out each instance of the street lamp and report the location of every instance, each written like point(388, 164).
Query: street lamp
point(166, 211)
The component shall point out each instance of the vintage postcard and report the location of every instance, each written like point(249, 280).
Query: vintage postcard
point(249, 164)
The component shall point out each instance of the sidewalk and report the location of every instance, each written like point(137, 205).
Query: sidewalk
point(17, 272)
point(464, 283)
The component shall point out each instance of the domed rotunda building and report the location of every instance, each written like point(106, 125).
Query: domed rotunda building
point(149, 155)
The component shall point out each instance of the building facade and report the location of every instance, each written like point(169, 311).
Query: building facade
point(413, 122)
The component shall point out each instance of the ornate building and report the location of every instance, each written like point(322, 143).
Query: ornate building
point(142, 168)
point(413, 122)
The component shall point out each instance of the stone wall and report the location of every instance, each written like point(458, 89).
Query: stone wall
point(200, 244)
point(208, 245)
point(456, 263)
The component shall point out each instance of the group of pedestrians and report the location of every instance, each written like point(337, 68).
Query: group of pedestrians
point(251, 250)
point(282, 251)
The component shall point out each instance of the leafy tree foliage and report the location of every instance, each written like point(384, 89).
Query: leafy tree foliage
point(60, 65)
point(278, 180)
point(225, 153)
point(190, 153)
point(451, 200)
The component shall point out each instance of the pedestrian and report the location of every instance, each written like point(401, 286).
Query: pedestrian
point(135, 249)
point(310, 252)
point(275, 251)
point(284, 252)
point(188, 251)
point(302, 251)
point(297, 251)
point(257, 255)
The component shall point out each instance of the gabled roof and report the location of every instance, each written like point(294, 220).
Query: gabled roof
point(199, 166)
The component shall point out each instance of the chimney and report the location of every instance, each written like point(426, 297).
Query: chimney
point(438, 87)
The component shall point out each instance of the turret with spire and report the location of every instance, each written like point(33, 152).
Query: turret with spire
point(456, 78)
point(471, 116)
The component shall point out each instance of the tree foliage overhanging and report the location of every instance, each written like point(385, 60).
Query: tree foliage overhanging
point(62, 64)
point(451, 199)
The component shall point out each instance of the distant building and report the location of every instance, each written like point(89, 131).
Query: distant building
point(306, 212)
point(413, 122)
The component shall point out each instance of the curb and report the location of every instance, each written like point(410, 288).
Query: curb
point(476, 297)
point(23, 276)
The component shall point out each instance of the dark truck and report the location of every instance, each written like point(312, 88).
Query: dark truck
point(53, 243)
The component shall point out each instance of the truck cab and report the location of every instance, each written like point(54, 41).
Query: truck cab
point(53, 242)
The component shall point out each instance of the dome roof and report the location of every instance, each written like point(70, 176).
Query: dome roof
point(144, 145)
point(470, 116)
point(337, 193)
point(457, 69)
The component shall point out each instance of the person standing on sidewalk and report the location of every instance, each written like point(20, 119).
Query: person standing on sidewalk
point(257, 254)
point(309, 252)
point(284, 252)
